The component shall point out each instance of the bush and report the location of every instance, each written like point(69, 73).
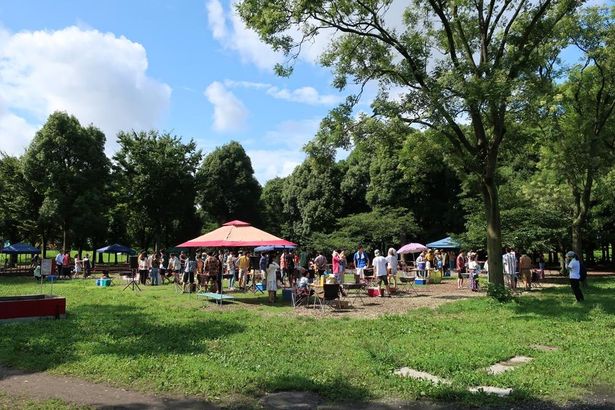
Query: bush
point(499, 292)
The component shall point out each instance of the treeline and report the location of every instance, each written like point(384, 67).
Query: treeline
point(158, 191)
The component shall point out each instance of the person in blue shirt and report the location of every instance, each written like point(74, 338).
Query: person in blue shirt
point(361, 262)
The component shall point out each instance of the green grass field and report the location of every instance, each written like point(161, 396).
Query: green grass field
point(163, 342)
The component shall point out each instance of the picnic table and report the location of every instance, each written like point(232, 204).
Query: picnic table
point(218, 298)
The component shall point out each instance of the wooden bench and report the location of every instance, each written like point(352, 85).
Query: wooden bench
point(216, 297)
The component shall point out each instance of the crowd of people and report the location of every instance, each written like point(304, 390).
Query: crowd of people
point(291, 268)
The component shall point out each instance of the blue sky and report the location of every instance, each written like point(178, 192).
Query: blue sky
point(188, 67)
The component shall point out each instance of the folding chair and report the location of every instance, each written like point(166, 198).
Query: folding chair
point(300, 296)
point(330, 296)
point(406, 283)
point(179, 288)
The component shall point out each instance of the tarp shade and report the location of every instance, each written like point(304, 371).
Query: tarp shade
point(116, 248)
point(446, 243)
point(20, 248)
point(235, 234)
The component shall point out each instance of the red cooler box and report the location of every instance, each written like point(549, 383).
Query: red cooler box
point(373, 292)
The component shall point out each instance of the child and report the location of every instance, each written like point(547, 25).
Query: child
point(272, 280)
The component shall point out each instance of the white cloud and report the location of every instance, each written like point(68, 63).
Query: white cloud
point(216, 19)
point(98, 77)
point(239, 38)
point(15, 133)
point(307, 95)
point(304, 95)
point(293, 133)
point(269, 164)
point(229, 112)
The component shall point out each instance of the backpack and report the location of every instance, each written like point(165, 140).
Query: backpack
point(582, 272)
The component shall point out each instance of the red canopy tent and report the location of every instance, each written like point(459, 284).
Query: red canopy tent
point(235, 234)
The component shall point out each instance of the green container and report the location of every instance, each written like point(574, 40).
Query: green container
point(436, 276)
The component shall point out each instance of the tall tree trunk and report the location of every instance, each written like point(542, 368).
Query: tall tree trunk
point(581, 209)
point(494, 228)
point(44, 246)
point(64, 237)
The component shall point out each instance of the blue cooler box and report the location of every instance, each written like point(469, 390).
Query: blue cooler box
point(261, 286)
point(103, 283)
point(420, 281)
point(52, 278)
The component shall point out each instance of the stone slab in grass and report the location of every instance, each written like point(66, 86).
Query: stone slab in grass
point(507, 365)
point(419, 375)
point(497, 391)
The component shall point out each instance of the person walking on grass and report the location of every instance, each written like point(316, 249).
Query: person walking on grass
point(380, 271)
point(392, 265)
point(574, 274)
point(460, 265)
point(244, 269)
point(525, 270)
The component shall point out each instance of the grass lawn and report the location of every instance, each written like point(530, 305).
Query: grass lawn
point(159, 341)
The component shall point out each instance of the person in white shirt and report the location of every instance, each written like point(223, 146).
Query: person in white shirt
point(272, 280)
point(392, 265)
point(574, 274)
point(59, 258)
point(380, 271)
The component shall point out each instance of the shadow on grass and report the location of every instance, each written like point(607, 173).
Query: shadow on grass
point(560, 302)
point(120, 330)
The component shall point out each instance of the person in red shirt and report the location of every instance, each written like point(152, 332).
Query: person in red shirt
point(66, 264)
point(460, 265)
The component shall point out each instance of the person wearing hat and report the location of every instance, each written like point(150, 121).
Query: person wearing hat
point(574, 274)
point(380, 271)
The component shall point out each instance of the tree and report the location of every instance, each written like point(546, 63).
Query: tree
point(67, 166)
point(227, 187)
point(273, 207)
point(579, 130)
point(311, 198)
point(455, 62)
point(380, 228)
point(154, 185)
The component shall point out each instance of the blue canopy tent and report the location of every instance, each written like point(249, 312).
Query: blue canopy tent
point(273, 248)
point(446, 243)
point(116, 248)
point(18, 249)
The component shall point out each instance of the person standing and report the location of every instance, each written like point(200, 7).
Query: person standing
point(262, 265)
point(525, 270)
point(155, 269)
point(460, 265)
point(164, 264)
point(321, 264)
point(59, 259)
point(284, 266)
point(231, 268)
point(335, 263)
point(272, 281)
point(78, 265)
point(189, 271)
point(574, 274)
point(361, 262)
point(143, 268)
point(174, 267)
point(392, 265)
point(211, 269)
point(244, 269)
point(66, 264)
point(87, 266)
point(380, 271)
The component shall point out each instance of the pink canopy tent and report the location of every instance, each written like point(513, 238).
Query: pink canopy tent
point(235, 234)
